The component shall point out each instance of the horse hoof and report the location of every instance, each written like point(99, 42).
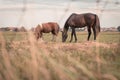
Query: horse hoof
point(70, 41)
point(75, 41)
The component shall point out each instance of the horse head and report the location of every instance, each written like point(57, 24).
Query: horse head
point(64, 36)
point(37, 32)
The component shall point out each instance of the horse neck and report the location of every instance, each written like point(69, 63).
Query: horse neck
point(66, 27)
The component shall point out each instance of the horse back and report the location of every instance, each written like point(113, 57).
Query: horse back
point(81, 20)
point(50, 26)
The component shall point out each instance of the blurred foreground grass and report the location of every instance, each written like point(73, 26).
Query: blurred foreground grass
point(21, 58)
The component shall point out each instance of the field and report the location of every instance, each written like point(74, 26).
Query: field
point(22, 58)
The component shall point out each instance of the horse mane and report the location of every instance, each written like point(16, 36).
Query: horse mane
point(40, 25)
point(66, 26)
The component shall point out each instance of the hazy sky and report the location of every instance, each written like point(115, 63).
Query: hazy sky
point(29, 13)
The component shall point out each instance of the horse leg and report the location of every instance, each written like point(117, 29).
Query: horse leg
point(72, 35)
point(53, 38)
point(75, 35)
point(41, 37)
point(89, 33)
point(94, 31)
point(54, 35)
point(37, 36)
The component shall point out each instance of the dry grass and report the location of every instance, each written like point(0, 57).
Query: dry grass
point(22, 58)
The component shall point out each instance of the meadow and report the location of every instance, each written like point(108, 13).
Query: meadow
point(22, 58)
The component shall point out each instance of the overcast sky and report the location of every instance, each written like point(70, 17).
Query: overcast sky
point(29, 13)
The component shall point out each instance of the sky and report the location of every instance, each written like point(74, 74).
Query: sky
point(30, 13)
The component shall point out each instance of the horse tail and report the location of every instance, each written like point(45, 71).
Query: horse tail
point(58, 28)
point(97, 24)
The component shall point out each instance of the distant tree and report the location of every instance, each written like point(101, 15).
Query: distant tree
point(22, 29)
point(118, 28)
point(32, 29)
point(15, 29)
point(4, 29)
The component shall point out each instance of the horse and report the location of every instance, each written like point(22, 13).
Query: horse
point(88, 20)
point(48, 27)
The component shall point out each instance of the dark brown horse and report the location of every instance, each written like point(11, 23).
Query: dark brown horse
point(46, 28)
point(79, 21)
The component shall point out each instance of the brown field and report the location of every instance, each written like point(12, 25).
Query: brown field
point(22, 58)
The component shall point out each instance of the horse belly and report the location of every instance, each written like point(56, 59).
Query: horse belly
point(80, 23)
point(46, 30)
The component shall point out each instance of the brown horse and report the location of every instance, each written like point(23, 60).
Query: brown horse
point(46, 28)
point(79, 21)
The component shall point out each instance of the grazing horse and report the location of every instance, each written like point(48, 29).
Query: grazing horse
point(79, 21)
point(46, 28)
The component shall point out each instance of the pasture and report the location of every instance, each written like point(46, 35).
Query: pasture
point(22, 58)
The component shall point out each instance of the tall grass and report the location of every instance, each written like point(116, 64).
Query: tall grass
point(22, 58)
